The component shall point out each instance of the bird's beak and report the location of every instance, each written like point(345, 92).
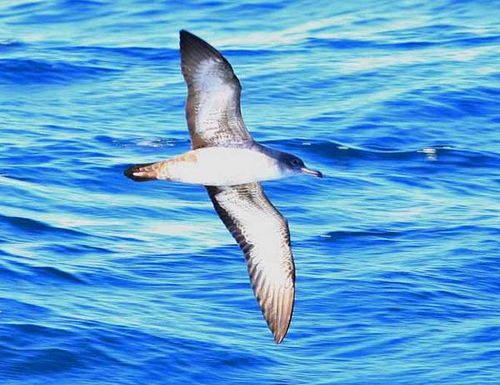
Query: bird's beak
point(308, 171)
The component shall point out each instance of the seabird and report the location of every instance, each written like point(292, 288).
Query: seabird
point(230, 164)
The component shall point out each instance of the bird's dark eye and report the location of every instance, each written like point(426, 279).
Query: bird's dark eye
point(295, 162)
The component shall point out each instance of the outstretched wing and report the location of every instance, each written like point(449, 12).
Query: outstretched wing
point(213, 105)
point(263, 235)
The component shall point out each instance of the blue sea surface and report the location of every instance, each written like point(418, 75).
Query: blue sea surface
point(397, 249)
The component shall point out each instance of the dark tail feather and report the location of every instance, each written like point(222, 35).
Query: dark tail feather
point(146, 172)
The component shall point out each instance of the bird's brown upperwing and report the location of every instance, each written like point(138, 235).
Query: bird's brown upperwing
point(213, 105)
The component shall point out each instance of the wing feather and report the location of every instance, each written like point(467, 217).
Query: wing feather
point(213, 108)
point(263, 235)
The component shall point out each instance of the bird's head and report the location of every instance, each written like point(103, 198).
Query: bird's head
point(295, 165)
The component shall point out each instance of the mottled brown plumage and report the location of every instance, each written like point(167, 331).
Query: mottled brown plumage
point(213, 105)
point(230, 164)
point(214, 119)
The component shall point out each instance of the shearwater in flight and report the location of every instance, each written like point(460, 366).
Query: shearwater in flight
point(230, 164)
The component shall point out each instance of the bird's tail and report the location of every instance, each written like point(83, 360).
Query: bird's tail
point(143, 172)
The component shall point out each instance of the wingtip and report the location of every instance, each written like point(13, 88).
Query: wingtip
point(280, 332)
point(185, 37)
point(193, 45)
point(184, 33)
point(279, 321)
point(278, 339)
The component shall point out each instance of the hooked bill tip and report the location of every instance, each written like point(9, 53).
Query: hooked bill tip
point(308, 171)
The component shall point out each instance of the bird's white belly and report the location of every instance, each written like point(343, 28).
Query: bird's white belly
point(219, 166)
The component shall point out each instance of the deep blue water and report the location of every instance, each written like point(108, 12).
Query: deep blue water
point(107, 281)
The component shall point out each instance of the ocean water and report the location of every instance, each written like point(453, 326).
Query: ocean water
point(107, 281)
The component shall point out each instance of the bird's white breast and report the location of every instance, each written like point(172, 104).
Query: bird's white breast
point(220, 166)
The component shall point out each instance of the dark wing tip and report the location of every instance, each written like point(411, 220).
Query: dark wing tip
point(279, 336)
point(184, 34)
point(279, 322)
point(193, 45)
point(276, 302)
point(195, 51)
point(278, 339)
